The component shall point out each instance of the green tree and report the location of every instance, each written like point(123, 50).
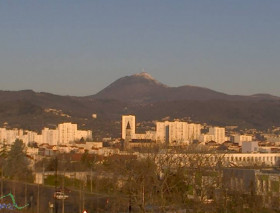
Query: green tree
point(16, 165)
point(3, 150)
point(3, 154)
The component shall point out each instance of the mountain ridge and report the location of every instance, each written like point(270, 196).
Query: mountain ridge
point(146, 85)
point(143, 88)
point(143, 96)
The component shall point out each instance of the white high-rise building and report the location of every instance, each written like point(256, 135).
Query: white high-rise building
point(219, 134)
point(204, 138)
point(66, 133)
point(177, 132)
point(85, 134)
point(50, 136)
point(125, 120)
point(12, 135)
point(162, 132)
point(193, 131)
point(31, 136)
point(3, 135)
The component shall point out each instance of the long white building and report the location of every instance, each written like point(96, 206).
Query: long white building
point(177, 132)
point(62, 135)
point(8, 136)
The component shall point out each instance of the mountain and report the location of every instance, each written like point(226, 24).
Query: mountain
point(142, 95)
point(142, 88)
point(136, 88)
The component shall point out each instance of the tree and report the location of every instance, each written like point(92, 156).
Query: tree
point(3, 154)
point(3, 150)
point(16, 165)
point(162, 179)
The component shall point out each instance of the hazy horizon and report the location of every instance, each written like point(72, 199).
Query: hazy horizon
point(79, 48)
point(30, 89)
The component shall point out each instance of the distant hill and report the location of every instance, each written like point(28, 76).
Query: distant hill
point(142, 88)
point(142, 95)
point(31, 110)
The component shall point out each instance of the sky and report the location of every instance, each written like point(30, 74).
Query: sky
point(71, 47)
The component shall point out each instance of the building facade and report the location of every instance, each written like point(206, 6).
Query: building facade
point(242, 138)
point(219, 134)
point(177, 132)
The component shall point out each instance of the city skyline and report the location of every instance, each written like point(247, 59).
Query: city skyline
point(231, 47)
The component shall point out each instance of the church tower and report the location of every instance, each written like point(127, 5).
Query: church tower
point(128, 136)
point(125, 120)
point(128, 133)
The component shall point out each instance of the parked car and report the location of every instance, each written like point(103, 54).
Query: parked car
point(60, 196)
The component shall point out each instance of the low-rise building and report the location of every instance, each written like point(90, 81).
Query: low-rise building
point(242, 138)
point(250, 146)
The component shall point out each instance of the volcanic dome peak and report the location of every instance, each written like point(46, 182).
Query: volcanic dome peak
point(144, 75)
point(147, 76)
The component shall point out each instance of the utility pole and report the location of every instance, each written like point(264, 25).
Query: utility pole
point(83, 203)
point(80, 197)
point(38, 187)
point(226, 202)
point(91, 179)
point(2, 173)
point(25, 193)
point(143, 194)
point(55, 200)
point(62, 208)
point(92, 164)
point(38, 198)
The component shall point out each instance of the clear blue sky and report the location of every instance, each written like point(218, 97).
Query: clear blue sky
point(79, 47)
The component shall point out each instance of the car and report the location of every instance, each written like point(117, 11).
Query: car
point(60, 196)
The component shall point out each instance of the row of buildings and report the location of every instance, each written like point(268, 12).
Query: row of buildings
point(63, 134)
point(179, 133)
